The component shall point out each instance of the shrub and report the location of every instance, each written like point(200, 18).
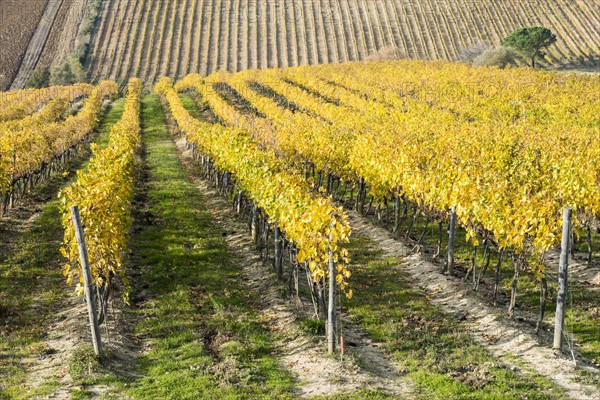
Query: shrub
point(496, 57)
point(69, 72)
point(313, 326)
point(39, 78)
point(469, 53)
point(386, 53)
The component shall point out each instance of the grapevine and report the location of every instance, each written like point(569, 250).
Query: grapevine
point(103, 192)
point(305, 219)
point(509, 186)
point(38, 145)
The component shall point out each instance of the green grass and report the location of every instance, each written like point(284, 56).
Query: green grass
point(111, 118)
point(190, 104)
point(78, 394)
point(434, 349)
point(30, 288)
point(32, 285)
point(313, 326)
point(583, 312)
point(206, 338)
point(360, 395)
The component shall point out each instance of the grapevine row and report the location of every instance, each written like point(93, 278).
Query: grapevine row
point(18, 104)
point(36, 146)
point(310, 222)
point(423, 147)
point(509, 179)
point(103, 191)
point(475, 92)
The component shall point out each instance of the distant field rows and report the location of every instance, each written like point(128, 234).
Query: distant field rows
point(152, 38)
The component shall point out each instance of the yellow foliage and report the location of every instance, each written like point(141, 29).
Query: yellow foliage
point(508, 148)
point(306, 219)
point(103, 192)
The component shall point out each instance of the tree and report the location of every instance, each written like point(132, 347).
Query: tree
point(530, 41)
point(469, 53)
point(62, 75)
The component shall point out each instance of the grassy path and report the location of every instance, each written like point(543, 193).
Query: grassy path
point(32, 286)
point(31, 290)
point(200, 331)
point(436, 350)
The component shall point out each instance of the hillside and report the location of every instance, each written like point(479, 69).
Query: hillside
point(19, 21)
point(152, 38)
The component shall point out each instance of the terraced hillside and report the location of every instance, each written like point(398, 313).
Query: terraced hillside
point(152, 38)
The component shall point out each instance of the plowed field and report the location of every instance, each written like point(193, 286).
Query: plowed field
point(152, 38)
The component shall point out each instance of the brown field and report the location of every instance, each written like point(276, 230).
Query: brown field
point(47, 58)
point(152, 38)
point(18, 21)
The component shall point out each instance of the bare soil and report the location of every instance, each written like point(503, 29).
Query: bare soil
point(244, 34)
point(509, 340)
point(18, 20)
point(59, 29)
point(36, 44)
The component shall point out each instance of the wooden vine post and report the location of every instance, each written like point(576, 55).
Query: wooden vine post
point(331, 305)
point(277, 242)
point(87, 281)
point(396, 213)
point(254, 223)
point(563, 269)
point(451, 234)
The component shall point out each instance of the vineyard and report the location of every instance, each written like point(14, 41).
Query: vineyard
point(151, 39)
point(404, 216)
point(35, 146)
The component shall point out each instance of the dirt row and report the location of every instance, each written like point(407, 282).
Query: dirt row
point(247, 34)
point(153, 39)
point(47, 58)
